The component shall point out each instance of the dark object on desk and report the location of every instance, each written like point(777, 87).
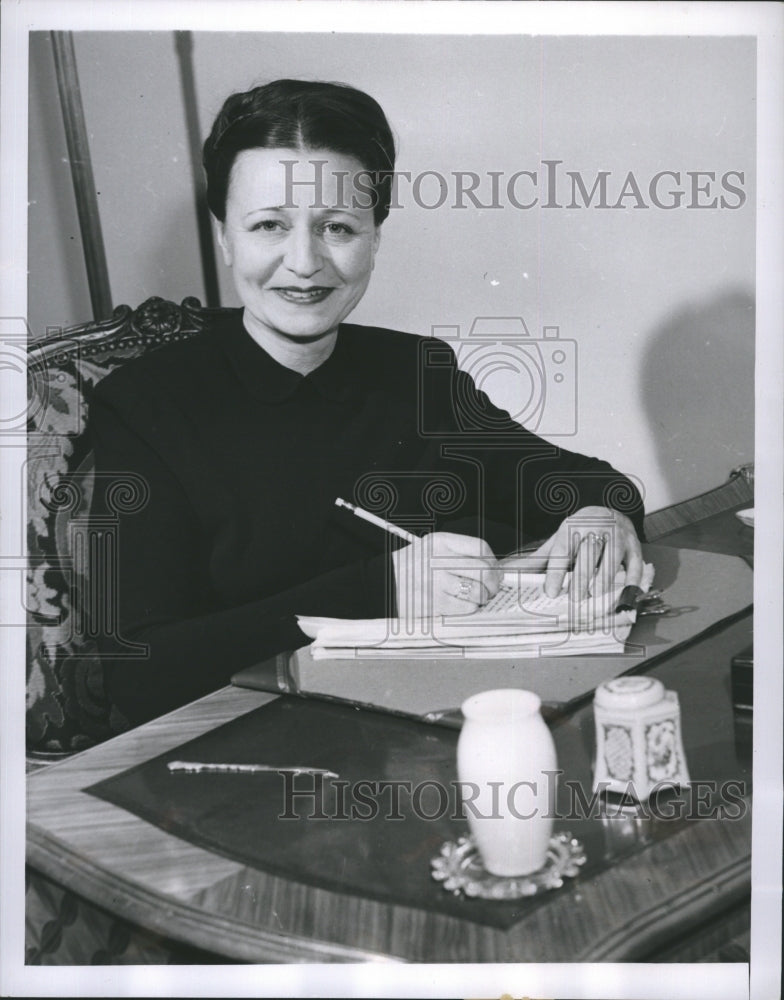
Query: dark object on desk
point(628, 599)
point(742, 675)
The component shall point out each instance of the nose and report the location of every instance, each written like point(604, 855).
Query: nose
point(303, 254)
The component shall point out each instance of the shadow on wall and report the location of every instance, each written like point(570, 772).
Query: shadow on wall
point(697, 386)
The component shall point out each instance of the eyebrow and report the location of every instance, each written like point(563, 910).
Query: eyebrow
point(326, 210)
point(265, 208)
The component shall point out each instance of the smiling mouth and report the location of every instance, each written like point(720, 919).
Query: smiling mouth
point(304, 296)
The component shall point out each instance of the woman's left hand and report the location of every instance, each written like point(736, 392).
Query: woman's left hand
point(594, 543)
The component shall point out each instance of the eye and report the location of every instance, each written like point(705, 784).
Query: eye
point(266, 226)
point(337, 229)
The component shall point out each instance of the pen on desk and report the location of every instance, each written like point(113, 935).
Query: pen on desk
point(452, 717)
point(194, 767)
point(378, 521)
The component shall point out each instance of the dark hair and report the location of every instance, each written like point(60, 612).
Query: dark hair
point(299, 114)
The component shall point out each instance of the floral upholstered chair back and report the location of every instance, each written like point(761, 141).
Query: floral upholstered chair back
point(66, 707)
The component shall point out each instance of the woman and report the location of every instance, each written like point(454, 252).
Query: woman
point(248, 434)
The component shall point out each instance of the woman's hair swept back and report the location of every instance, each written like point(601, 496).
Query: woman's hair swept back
point(300, 114)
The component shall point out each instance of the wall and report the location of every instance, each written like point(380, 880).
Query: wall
point(658, 303)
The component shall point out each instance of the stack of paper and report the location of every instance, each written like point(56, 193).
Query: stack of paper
point(519, 621)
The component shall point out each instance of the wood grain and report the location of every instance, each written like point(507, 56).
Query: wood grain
point(149, 877)
point(737, 492)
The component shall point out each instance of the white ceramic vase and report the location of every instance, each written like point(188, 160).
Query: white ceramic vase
point(504, 754)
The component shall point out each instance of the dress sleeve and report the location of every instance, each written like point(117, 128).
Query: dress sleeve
point(169, 645)
point(529, 484)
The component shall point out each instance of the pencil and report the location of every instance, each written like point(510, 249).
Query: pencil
point(378, 521)
point(196, 767)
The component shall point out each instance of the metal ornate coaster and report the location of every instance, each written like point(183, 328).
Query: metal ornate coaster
point(460, 868)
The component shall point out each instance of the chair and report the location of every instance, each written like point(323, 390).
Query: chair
point(66, 706)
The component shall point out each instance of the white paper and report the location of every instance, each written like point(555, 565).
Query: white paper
point(520, 620)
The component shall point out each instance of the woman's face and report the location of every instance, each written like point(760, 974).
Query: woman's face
point(299, 239)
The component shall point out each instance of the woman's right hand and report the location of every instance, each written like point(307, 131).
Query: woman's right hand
point(444, 574)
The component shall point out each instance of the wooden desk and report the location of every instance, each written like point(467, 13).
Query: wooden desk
point(683, 885)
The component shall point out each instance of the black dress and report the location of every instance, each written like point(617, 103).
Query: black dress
point(243, 460)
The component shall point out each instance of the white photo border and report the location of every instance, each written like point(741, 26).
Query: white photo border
point(605, 981)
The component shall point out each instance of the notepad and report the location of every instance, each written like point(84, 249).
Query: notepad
point(520, 620)
point(705, 587)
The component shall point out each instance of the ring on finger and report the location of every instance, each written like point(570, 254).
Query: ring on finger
point(465, 587)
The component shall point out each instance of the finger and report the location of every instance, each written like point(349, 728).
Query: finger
point(492, 580)
point(531, 562)
point(486, 586)
point(447, 604)
point(463, 545)
point(559, 561)
point(609, 564)
point(634, 564)
point(546, 547)
point(585, 567)
point(492, 576)
point(483, 570)
point(468, 590)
